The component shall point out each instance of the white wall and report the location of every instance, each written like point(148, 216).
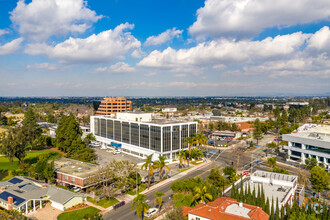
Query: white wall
point(145, 117)
point(57, 205)
point(193, 217)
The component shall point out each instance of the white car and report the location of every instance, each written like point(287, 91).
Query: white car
point(76, 189)
point(116, 152)
point(151, 212)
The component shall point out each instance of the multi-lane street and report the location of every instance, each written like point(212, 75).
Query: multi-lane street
point(126, 213)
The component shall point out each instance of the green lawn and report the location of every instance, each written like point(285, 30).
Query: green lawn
point(182, 170)
point(78, 214)
point(31, 157)
point(105, 203)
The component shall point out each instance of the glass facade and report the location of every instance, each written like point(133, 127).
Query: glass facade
point(296, 145)
point(135, 135)
point(161, 138)
point(166, 138)
point(296, 153)
point(96, 126)
point(117, 131)
point(110, 129)
point(318, 149)
point(144, 136)
point(103, 128)
point(155, 138)
point(184, 135)
point(176, 137)
point(192, 130)
point(125, 132)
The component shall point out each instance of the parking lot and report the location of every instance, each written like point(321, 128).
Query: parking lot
point(103, 157)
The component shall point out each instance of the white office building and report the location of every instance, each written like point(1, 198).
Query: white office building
point(310, 141)
point(139, 135)
point(277, 186)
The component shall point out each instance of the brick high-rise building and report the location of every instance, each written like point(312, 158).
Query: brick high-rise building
point(113, 105)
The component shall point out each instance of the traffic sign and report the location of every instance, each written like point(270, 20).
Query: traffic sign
point(245, 172)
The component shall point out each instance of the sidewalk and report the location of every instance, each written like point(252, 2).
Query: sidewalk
point(129, 198)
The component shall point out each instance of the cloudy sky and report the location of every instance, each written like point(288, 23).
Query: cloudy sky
point(164, 47)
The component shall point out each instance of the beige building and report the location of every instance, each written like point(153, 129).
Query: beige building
point(113, 105)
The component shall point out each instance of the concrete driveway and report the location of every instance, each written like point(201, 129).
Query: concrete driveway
point(46, 213)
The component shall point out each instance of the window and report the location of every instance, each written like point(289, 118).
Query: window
point(155, 138)
point(296, 145)
point(318, 149)
point(72, 179)
point(184, 135)
point(110, 129)
point(296, 153)
point(144, 136)
point(166, 138)
point(176, 138)
point(96, 126)
point(117, 131)
point(66, 178)
point(198, 218)
point(125, 130)
point(135, 134)
point(103, 127)
point(192, 130)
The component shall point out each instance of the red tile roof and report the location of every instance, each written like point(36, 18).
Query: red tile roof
point(216, 210)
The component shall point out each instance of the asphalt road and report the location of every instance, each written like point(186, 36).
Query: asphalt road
point(126, 213)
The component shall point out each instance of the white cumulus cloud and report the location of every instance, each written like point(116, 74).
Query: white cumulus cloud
point(3, 32)
point(47, 66)
point(168, 35)
point(246, 18)
point(225, 52)
point(104, 47)
point(10, 47)
point(119, 67)
point(40, 19)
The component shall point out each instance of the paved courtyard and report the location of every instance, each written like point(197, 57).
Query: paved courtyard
point(48, 212)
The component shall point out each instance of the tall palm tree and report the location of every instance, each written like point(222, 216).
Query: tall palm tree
point(200, 139)
point(141, 207)
point(189, 141)
point(182, 157)
point(201, 194)
point(161, 165)
point(159, 199)
point(271, 162)
point(148, 167)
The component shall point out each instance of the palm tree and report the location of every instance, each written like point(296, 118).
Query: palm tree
point(200, 139)
point(159, 199)
point(182, 156)
point(201, 194)
point(141, 207)
point(271, 162)
point(148, 167)
point(161, 164)
point(189, 141)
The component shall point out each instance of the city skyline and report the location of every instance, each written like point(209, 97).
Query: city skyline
point(168, 48)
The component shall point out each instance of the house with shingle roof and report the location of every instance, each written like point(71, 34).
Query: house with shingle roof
point(22, 193)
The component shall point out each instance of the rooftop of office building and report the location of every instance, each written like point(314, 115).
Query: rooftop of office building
point(313, 131)
point(75, 167)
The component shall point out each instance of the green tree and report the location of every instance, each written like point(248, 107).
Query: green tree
point(310, 162)
point(257, 133)
point(182, 157)
point(230, 171)
point(189, 141)
point(90, 137)
point(196, 153)
point(159, 199)
point(140, 206)
point(301, 216)
point(200, 139)
point(30, 128)
point(216, 179)
point(211, 126)
point(161, 165)
point(271, 162)
point(12, 144)
point(201, 194)
point(148, 167)
point(320, 179)
point(267, 206)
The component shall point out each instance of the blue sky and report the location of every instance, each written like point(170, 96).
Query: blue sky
point(164, 48)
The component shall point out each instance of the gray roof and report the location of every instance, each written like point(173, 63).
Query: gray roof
point(29, 189)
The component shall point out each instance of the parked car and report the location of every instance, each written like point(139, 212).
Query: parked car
point(76, 189)
point(116, 152)
point(151, 212)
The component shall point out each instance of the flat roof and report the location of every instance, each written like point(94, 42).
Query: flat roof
point(75, 167)
point(276, 176)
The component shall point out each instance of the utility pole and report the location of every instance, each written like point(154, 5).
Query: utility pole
point(251, 160)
